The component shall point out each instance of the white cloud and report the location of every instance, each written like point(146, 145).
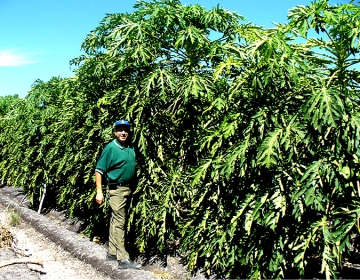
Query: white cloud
point(13, 57)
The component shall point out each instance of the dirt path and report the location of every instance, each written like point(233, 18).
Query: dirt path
point(57, 263)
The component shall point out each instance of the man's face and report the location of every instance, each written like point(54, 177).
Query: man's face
point(122, 133)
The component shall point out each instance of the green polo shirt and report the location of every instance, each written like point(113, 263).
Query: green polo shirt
point(117, 163)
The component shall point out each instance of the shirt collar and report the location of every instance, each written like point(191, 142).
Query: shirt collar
point(117, 143)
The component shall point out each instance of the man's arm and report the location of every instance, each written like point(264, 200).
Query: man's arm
point(99, 194)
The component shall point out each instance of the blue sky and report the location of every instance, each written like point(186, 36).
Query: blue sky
point(38, 38)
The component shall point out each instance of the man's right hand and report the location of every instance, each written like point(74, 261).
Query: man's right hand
point(99, 194)
point(99, 198)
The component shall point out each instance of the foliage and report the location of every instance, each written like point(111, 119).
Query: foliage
point(6, 103)
point(163, 90)
point(247, 138)
point(271, 184)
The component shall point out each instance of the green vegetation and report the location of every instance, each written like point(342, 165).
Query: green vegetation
point(247, 138)
point(6, 103)
point(14, 218)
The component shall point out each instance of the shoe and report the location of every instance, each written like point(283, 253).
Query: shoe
point(110, 257)
point(128, 264)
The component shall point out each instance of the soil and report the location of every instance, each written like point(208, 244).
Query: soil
point(66, 254)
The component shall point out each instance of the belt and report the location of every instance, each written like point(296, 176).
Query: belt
point(115, 186)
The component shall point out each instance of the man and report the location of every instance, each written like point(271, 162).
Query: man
point(117, 166)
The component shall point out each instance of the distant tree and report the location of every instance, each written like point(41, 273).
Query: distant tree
point(7, 103)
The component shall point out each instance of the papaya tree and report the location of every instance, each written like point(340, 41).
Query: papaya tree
point(7, 103)
point(159, 63)
point(24, 156)
point(272, 183)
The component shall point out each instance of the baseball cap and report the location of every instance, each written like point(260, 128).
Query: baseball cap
point(122, 122)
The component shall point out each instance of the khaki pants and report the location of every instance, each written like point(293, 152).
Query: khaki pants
point(119, 199)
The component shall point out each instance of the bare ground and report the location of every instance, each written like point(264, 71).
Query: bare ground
point(57, 263)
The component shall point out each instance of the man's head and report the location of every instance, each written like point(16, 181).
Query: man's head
point(122, 131)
